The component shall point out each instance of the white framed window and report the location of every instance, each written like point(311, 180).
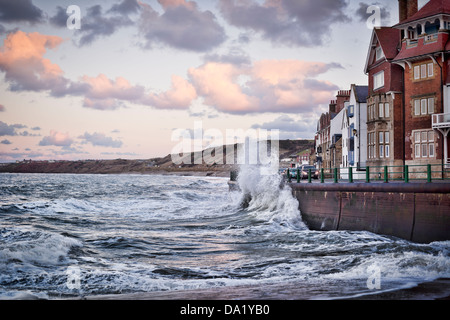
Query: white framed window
point(381, 110)
point(431, 150)
point(381, 151)
point(417, 150)
point(378, 80)
point(424, 145)
point(416, 72)
point(417, 107)
point(424, 106)
point(386, 137)
point(379, 53)
point(430, 105)
point(381, 137)
point(386, 151)
point(423, 71)
point(386, 110)
point(430, 70)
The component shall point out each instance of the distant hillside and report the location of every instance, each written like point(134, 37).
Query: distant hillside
point(162, 165)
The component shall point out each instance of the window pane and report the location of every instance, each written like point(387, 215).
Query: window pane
point(417, 72)
point(431, 149)
point(386, 110)
point(423, 71)
point(430, 69)
point(381, 135)
point(417, 151)
point(381, 151)
point(386, 151)
point(424, 136)
point(417, 137)
point(386, 137)
point(424, 150)
point(431, 136)
point(381, 110)
point(431, 105)
point(423, 104)
point(416, 107)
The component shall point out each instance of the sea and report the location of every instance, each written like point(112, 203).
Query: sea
point(66, 236)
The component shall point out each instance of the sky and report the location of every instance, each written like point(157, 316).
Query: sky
point(133, 74)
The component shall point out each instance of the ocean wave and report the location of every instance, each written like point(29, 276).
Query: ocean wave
point(34, 247)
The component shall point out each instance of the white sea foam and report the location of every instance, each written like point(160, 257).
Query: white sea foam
point(268, 197)
point(34, 247)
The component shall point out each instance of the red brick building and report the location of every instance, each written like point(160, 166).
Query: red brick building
point(385, 130)
point(409, 87)
point(424, 58)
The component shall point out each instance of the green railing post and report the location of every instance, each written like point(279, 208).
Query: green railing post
point(309, 175)
point(335, 175)
point(350, 174)
point(406, 173)
point(289, 175)
point(367, 174)
point(386, 179)
point(298, 175)
point(428, 172)
point(322, 176)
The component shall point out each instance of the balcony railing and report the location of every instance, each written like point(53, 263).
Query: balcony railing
point(441, 120)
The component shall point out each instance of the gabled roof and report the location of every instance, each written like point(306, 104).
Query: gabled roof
point(432, 8)
point(388, 38)
point(361, 93)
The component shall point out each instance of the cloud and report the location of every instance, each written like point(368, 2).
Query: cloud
point(179, 96)
point(21, 58)
point(101, 140)
point(289, 127)
point(2, 108)
point(6, 141)
point(126, 7)
point(20, 11)
point(182, 25)
point(290, 22)
point(96, 25)
point(57, 139)
point(9, 130)
point(266, 86)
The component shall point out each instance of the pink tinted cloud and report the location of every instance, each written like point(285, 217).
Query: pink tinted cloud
point(218, 84)
point(21, 58)
point(56, 138)
point(267, 86)
point(2, 108)
point(179, 96)
point(176, 3)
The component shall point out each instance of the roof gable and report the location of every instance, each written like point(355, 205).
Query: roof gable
point(433, 7)
point(388, 39)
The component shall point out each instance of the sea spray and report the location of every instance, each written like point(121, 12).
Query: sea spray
point(265, 195)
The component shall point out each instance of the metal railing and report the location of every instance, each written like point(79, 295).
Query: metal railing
point(441, 120)
point(407, 173)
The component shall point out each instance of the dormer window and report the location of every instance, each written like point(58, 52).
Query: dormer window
point(379, 53)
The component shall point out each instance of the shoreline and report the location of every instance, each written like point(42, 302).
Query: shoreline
point(438, 289)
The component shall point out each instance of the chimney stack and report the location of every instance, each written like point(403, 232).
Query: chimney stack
point(407, 8)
